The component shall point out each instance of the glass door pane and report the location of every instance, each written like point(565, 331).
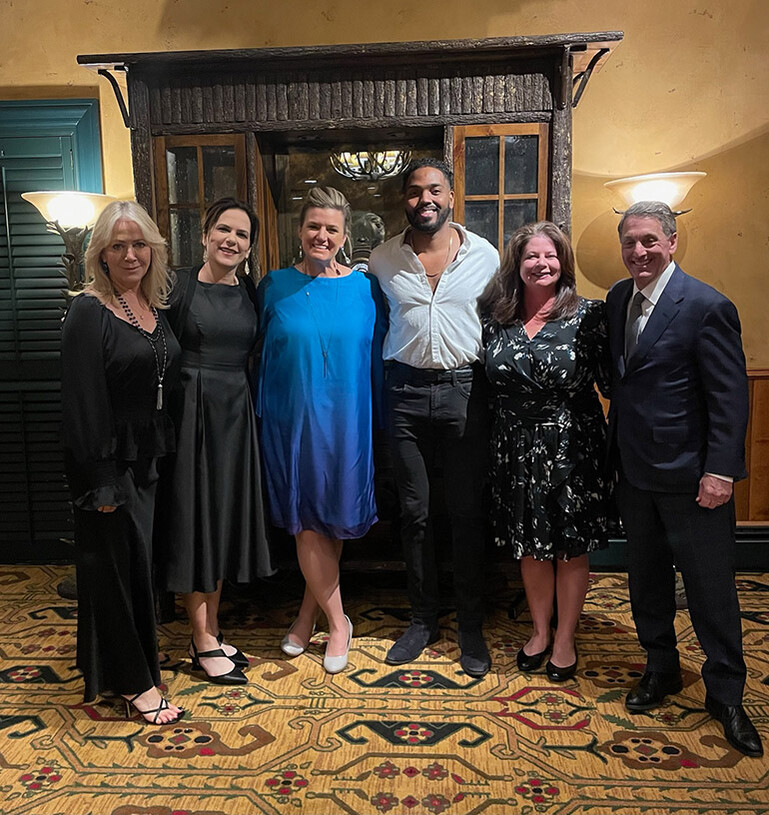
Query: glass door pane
point(518, 212)
point(482, 217)
point(482, 166)
point(182, 164)
point(521, 164)
point(219, 177)
point(186, 248)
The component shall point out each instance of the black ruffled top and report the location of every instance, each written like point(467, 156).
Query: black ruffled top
point(109, 400)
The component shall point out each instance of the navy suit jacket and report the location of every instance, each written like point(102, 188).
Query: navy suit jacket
point(679, 404)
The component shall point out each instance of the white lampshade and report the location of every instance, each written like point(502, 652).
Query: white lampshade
point(671, 188)
point(69, 208)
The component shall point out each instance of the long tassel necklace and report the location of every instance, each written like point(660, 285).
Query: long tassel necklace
point(160, 370)
point(325, 342)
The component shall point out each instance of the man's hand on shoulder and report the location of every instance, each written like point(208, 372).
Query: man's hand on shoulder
point(713, 492)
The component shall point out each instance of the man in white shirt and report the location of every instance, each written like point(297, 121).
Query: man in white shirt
point(679, 410)
point(432, 275)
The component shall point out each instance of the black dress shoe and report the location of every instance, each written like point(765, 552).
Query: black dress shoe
point(234, 676)
point(238, 658)
point(530, 662)
point(738, 728)
point(555, 673)
point(651, 690)
point(411, 643)
point(474, 655)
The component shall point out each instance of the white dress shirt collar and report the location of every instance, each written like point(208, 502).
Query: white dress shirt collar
point(654, 290)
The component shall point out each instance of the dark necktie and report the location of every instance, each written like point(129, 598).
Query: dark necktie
point(633, 325)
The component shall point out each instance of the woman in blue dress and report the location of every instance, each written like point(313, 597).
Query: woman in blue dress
point(318, 396)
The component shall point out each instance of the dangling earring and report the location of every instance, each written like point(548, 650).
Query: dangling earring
point(104, 267)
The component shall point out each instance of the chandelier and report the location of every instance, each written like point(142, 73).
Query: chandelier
point(370, 166)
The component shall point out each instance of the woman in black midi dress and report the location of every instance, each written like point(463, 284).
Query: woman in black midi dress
point(212, 520)
point(545, 349)
point(119, 360)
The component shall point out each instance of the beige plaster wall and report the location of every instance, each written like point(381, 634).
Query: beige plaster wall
point(687, 89)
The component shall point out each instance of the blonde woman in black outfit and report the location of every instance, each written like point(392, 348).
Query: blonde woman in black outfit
point(119, 361)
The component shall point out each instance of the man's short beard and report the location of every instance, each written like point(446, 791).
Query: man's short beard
point(429, 229)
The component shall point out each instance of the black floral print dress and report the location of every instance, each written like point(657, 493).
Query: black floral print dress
point(550, 491)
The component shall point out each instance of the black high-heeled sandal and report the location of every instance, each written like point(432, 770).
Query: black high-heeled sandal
point(129, 703)
point(239, 659)
point(232, 677)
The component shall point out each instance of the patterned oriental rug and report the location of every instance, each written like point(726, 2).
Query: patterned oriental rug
point(423, 739)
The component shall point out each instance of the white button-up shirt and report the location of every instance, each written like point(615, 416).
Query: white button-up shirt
point(440, 329)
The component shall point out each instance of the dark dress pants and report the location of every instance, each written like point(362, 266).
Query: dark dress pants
point(117, 648)
point(670, 529)
point(441, 415)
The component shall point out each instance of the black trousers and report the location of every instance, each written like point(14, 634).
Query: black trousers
point(117, 648)
point(670, 529)
point(438, 415)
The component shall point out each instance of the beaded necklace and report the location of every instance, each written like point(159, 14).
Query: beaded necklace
point(160, 370)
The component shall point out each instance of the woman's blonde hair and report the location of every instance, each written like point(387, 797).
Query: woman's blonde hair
point(156, 284)
point(327, 198)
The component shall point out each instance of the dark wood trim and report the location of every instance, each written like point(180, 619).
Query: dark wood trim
point(458, 163)
point(203, 140)
point(448, 145)
point(297, 57)
point(141, 144)
point(751, 496)
point(253, 179)
point(162, 212)
point(561, 154)
point(256, 126)
point(543, 192)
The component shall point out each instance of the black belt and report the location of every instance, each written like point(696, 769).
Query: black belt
point(430, 376)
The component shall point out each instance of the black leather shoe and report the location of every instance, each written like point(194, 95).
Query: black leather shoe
point(530, 662)
point(738, 728)
point(556, 673)
point(235, 676)
point(238, 658)
point(411, 643)
point(474, 655)
point(651, 690)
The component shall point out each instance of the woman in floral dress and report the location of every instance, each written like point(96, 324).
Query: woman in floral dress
point(546, 348)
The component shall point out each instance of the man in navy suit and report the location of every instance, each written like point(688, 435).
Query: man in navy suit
point(677, 424)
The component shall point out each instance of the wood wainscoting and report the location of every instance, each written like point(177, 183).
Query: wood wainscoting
point(752, 495)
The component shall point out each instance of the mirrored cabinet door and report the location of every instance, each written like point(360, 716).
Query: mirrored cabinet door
point(500, 178)
point(191, 172)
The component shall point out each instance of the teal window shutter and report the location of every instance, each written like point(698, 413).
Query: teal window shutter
point(43, 145)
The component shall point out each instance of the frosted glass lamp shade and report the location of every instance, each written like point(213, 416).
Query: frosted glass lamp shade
point(68, 208)
point(671, 188)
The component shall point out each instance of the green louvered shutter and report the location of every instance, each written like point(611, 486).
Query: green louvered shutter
point(34, 507)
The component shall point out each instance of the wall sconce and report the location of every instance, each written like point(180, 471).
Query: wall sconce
point(70, 215)
point(671, 188)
